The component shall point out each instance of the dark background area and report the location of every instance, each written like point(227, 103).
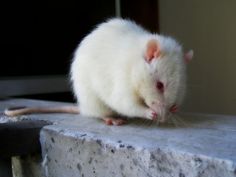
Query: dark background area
point(39, 38)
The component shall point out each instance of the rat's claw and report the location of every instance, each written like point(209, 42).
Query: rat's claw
point(154, 116)
point(151, 115)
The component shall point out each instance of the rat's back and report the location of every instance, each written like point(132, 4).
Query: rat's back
point(101, 62)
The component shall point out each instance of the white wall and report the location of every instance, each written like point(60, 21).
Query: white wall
point(209, 27)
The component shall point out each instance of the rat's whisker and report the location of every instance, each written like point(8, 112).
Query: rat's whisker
point(181, 121)
point(174, 121)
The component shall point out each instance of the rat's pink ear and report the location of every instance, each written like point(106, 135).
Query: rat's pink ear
point(188, 56)
point(152, 50)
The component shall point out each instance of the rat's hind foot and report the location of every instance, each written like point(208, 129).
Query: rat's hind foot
point(114, 121)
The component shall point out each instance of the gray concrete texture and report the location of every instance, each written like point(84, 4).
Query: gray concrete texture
point(196, 145)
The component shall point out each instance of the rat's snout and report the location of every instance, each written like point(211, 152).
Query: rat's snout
point(157, 106)
point(161, 109)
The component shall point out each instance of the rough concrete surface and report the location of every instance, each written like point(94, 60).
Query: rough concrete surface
point(196, 145)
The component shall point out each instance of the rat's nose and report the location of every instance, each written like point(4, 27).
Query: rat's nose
point(174, 108)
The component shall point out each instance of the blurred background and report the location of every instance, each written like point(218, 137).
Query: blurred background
point(209, 27)
point(38, 40)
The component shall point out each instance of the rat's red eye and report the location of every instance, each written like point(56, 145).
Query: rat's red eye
point(160, 86)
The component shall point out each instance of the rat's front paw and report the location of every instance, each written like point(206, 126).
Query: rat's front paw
point(150, 114)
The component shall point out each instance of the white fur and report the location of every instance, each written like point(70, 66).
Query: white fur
point(110, 75)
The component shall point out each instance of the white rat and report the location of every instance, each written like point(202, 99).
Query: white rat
point(120, 69)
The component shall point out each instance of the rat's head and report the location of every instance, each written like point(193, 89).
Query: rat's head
point(164, 84)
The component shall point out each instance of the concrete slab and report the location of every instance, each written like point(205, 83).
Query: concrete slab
point(195, 145)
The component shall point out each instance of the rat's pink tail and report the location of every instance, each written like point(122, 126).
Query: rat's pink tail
point(16, 111)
